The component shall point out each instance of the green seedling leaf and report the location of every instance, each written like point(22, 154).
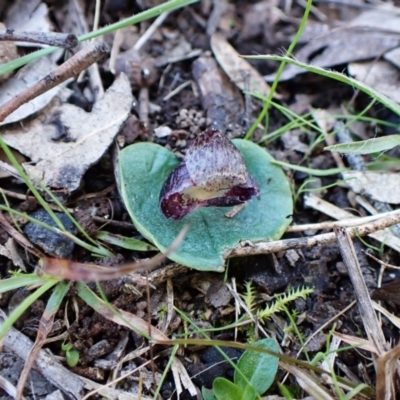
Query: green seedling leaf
point(249, 393)
point(125, 242)
point(67, 347)
point(374, 145)
point(226, 390)
point(144, 167)
point(259, 368)
point(208, 394)
point(72, 357)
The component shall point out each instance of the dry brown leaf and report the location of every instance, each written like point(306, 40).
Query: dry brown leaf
point(309, 383)
point(241, 73)
point(220, 98)
point(383, 16)
point(341, 46)
point(393, 56)
point(71, 18)
point(357, 342)
point(181, 375)
point(10, 250)
point(392, 318)
point(83, 139)
point(380, 75)
point(26, 77)
point(27, 16)
point(383, 186)
point(4, 159)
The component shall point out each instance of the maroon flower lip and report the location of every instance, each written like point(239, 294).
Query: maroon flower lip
point(213, 173)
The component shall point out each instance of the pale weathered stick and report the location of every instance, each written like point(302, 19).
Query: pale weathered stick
point(329, 225)
point(74, 386)
point(306, 242)
point(72, 67)
point(369, 318)
point(333, 211)
point(65, 40)
point(58, 375)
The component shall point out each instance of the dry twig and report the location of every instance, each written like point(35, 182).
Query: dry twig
point(65, 40)
point(306, 242)
point(371, 324)
point(77, 63)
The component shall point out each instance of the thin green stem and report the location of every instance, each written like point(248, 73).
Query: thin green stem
point(280, 70)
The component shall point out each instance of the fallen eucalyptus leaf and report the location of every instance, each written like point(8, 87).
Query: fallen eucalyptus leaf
point(28, 16)
point(26, 77)
point(66, 146)
point(341, 46)
point(381, 186)
point(143, 169)
point(380, 75)
point(240, 71)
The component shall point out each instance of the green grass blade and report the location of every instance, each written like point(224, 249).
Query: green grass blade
point(200, 331)
point(135, 19)
point(56, 297)
point(104, 308)
point(95, 249)
point(125, 242)
point(384, 163)
point(21, 61)
point(374, 145)
point(13, 317)
point(289, 51)
point(166, 369)
point(28, 183)
point(355, 391)
point(310, 171)
point(386, 101)
point(21, 280)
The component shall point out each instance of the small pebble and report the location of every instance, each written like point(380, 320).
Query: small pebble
point(50, 242)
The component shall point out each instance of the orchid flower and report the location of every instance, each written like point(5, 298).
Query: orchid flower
point(213, 173)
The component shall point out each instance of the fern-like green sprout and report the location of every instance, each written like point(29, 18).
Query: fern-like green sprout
point(280, 302)
point(249, 296)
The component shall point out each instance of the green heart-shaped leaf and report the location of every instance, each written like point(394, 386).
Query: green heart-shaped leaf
point(259, 368)
point(144, 167)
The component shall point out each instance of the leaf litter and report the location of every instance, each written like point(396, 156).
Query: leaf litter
point(69, 147)
point(63, 157)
